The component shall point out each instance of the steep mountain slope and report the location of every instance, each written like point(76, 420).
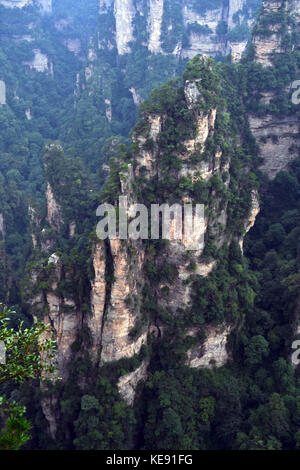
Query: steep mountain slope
point(67, 81)
point(141, 293)
point(39, 68)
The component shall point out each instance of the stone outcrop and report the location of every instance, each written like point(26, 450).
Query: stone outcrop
point(145, 157)
point(234, 7)
point(115, 308)
point(98, 300)
point(210, 43)
point(54, 212)
point(212, 352)
point(155, 25)
point(74, 45)
point(266, 47)
point(62, 315)
point(268, 42)
point(108, 111)
point(40, 62)
point(122, 308)
point(254, 211)
point(117, 323)
point(135, 96)
point(237, 49)
point(124, 15)
point(203, 43)
point(128, 383)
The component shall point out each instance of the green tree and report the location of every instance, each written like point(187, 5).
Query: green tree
point(29, 355)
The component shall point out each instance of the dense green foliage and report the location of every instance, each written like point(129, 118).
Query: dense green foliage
point(24, 349)
point(254, 401)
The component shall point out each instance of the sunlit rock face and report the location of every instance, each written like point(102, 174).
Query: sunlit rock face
point(40, 62)
point(270, 44)
point(120, 318)
point(212, 352)
point(128, 383)
point(199, 41)
point(74, 45)
point(265, 46)
point(203, 43)
point(124, 14)
point(155, 24)
point(54, 212)
point(230, 13)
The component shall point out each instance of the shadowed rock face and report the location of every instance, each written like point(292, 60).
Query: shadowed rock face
point(276, 135)
point(278, 138)
point(268, 42)
point(127, 384)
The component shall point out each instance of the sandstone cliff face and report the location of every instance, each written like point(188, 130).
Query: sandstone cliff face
point(127, 384)
point(155, 25)
point(122, 305)
point(124, 14)
point(117, 323)
point(54, 212)
point(213, 352)
point(98, 298)
point(203, 43)
point(40, 62)
point(276, 135)
point(209, 42)
point(255, 210)
point(2, 226)
point(61, 313)
point(269, 43)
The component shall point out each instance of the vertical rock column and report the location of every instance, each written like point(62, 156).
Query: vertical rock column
point(124, 15)
point(154, 25)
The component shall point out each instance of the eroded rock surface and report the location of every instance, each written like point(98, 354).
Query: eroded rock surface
point(213, 352)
